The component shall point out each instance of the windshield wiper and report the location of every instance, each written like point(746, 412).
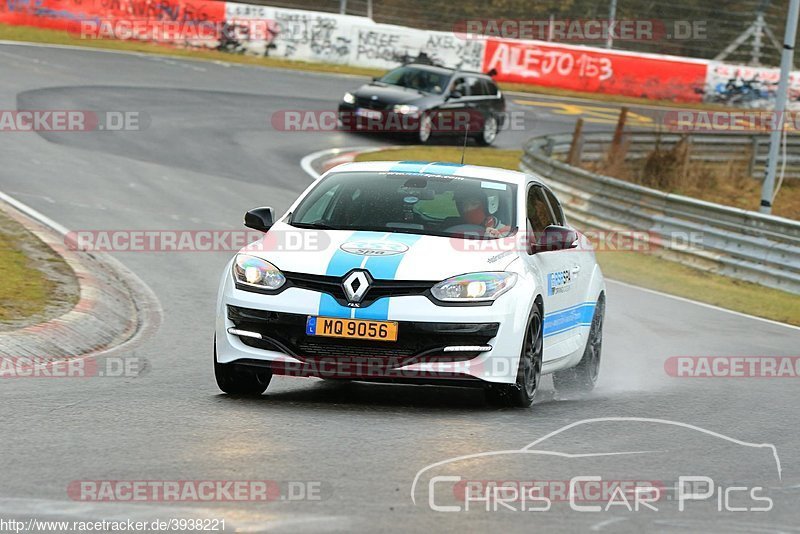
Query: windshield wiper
point(315, 225)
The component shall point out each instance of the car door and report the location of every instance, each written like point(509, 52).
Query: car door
point(556, 276)
point(495, 101)
point(479, 102)
point(457, 110)
point(581, 263)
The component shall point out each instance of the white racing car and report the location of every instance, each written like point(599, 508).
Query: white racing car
point(433, 273)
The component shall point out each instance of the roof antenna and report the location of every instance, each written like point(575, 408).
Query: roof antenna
point(464, 150)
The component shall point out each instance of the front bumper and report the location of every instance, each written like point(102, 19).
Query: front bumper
point(424, 330)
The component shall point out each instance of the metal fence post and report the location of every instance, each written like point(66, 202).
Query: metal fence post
point(751, 167)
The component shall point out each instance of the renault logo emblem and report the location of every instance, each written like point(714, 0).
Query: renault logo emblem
point(355, 285)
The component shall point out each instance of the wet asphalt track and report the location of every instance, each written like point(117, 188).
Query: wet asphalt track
point(208, 155)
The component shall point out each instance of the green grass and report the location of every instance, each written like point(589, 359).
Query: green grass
point(25, 290)
point(638, 268)
point(42, 35)
point(647, 270)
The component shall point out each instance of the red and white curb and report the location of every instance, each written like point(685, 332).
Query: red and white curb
point(318, 163)
point(115, 307)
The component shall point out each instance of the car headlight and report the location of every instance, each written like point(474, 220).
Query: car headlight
point(474, 287)
point(348, 98)
point(255, 272)
point(403, 109)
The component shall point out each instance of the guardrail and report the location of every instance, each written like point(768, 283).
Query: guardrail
point(744, 149)
point(742, 244)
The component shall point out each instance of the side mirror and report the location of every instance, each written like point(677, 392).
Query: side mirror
point(260, 219)
point(454, 94)
point(554, 238)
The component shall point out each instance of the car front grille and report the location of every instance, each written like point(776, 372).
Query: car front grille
point(368, 103)
point(417, 342)
point(332, 285)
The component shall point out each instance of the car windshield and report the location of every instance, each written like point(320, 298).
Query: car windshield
point(410, 203)
point(424, 80)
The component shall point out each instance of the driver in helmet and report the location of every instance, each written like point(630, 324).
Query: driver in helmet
point(473, 208)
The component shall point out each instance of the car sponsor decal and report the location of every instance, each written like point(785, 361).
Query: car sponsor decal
point(383, 267)
point(562, 320)
point(374, 248)
point(559, 282)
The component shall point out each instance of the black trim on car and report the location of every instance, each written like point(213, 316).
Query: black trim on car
point(332, 285)
point(417, 341)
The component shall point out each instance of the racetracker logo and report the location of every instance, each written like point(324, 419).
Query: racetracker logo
point(580, 30)
point(89, 367)
point(395, 119)
point(196, 240)
point(246, 29)
point(196, 490)
point(730, 121)
point(594, 240)
point(54, 120)
point(733, 366)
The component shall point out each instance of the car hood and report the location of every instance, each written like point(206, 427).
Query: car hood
point(391, 94)
point(386, 255)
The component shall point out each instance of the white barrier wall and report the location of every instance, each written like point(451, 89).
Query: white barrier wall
point(346, 39)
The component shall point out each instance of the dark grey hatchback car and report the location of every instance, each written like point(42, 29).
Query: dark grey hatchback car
point(424, 101)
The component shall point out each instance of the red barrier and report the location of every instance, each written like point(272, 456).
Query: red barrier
point(596, 71)
point(81, 16)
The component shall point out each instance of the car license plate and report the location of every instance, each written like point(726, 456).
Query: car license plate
point(352, 328)
point(368, 113)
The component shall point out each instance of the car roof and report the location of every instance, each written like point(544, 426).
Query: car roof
point(440, 168)
point(446, 70)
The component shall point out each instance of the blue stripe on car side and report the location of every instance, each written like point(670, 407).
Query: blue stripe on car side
point(563, 320)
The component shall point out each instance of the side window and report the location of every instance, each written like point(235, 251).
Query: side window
point(539, 214)
point(491, 88)
point(556, 205)
point(476, 87)
point(460, 85)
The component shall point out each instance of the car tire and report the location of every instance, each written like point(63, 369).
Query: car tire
point(582, 378)
point(237, 380)
point(425, 129)
point(522, 392)
point(489, 133)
